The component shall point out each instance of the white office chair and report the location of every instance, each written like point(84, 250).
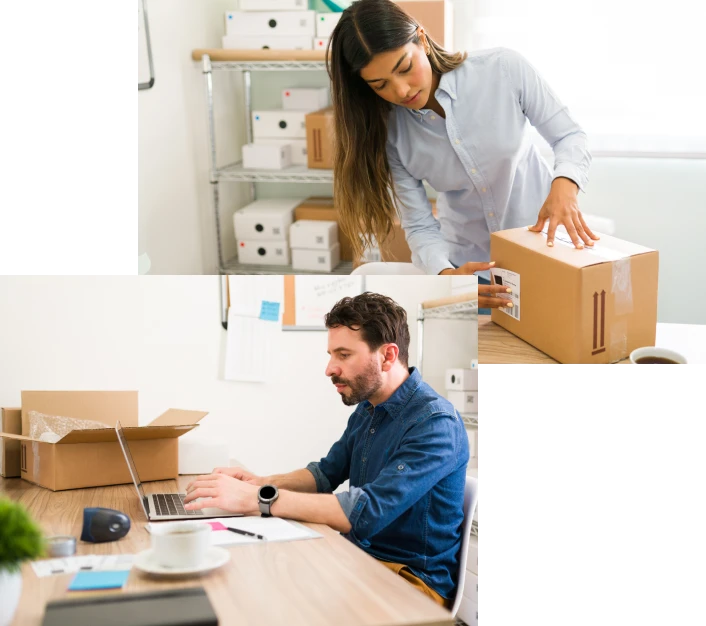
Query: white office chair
point(367, 269)
point(470, 499)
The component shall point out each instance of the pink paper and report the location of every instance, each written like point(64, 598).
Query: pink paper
point(217, 526)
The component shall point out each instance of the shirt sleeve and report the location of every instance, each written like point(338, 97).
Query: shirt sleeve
point(334, 468)
point(551, 118)
point(430, 451)
point(423, 232)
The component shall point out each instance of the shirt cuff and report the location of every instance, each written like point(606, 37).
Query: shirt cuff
point(572, 172)
point(352, 502)
point(434, 265)
point(322, 482)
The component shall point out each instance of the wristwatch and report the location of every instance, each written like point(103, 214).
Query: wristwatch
point(266, 497)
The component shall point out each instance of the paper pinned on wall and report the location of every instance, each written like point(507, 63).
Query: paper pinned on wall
point(316, 295)
point(254, 325)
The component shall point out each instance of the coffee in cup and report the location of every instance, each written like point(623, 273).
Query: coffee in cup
point(180, 545)
point(653, 355)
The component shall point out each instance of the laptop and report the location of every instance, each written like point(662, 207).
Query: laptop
point(163, 506)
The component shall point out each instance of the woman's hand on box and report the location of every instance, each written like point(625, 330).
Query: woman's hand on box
point(562, 207)
point(488, 299)
point(467, 268)
point(224, 492)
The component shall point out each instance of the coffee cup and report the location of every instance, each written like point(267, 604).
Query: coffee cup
point(653, 355)
point(181, 545)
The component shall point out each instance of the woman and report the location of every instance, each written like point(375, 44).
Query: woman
point(406, 110)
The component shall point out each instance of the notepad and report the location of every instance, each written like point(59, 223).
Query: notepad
point(99, 580)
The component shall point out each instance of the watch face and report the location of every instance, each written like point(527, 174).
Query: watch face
point(267, 492)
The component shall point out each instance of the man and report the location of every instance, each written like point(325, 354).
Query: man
point(404, 451)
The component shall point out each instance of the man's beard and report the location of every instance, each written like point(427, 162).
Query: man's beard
point(362, 386)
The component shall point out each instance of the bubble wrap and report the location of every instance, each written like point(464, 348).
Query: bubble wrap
point(51, 428)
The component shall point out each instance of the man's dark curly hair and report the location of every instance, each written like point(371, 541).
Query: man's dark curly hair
point(380, 319)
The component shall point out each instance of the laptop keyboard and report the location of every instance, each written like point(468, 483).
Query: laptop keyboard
point(171, 504)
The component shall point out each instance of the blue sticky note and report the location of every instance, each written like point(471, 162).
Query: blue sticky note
point(107, 579)
point(269, 311)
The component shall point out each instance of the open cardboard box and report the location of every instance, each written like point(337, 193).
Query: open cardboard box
point(93, 458)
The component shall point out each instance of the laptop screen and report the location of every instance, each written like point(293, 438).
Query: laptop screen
point(130, 462)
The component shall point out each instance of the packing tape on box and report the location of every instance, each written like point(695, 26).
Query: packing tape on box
point(622, 286)
point(618, 349)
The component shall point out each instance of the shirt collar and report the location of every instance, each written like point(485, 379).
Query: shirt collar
point(447, 84)
point(396, 403)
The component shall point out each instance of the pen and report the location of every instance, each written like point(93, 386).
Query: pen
point(244, 532)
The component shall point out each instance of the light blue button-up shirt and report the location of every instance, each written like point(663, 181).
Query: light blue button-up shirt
point(488, 174)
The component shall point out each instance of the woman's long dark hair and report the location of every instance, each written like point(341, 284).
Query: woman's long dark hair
point(363, 187)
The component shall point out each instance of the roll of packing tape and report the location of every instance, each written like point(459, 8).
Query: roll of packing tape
point(61, 546)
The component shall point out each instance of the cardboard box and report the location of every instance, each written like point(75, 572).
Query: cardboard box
point(313, 234)
point(266, 220)
point(305, 99)
point(321, 208)
point(10, 422)
point(285, 23)
point(93, 458)
point(319, 139)
point(297, 148)
point(594, 305)
point(321, 43)
point(268, 42)
point(316, 260)
point(325, 23)
point(279, 125)
point(257, 252)
point(274, 5)
point(462, 379)
point(266, 157)
point(463, 401)
point(436, 16)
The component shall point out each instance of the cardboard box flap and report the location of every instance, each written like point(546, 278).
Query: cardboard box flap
point(606, 250)
point(178, 417)
point(102, 406)
point(103, 435)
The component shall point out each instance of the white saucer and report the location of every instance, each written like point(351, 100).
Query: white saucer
point(215, 557)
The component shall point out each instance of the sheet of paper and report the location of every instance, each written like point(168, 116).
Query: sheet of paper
point(247, 293)
point(272, 528)
point(87, 562)
point(315, 295)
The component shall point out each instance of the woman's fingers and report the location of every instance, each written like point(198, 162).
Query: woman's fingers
point(541, 220)
point(587, 229)
point(487, 302)
point(493, 289)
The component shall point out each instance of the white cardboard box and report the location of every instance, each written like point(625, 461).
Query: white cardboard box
point(472, 562)
point(462, 379)
point(271, 22)
point(268, 42)
point(274, 5)
point(313, 234)
point(468, 612)
point(299, 99)
point(255, 251)
point(316, 260)
point(297, 148)
point(266, 157)
point(265, 220)
point(470, 587)
point(279, 124)
point(321, 43)
point(325, 23)
point(464, 401)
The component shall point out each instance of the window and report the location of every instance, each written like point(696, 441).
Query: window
point(633, 73)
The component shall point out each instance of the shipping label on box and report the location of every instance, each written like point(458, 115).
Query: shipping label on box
point(257, 252)
point(590, 305)
point(279, 124)
point(271, 22)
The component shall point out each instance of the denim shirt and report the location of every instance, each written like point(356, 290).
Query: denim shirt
point(406, 460)
point(488, 173)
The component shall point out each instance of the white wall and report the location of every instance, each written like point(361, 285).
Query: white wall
point(162, 335)
point(656, 202)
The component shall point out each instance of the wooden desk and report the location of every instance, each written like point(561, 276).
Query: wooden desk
point(310, 582)
point(497, 345)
